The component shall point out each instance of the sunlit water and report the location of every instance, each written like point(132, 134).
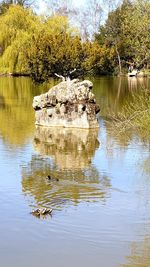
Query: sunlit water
point(101, 203)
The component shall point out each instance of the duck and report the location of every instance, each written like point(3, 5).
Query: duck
point(52, 179)
point(41, 212)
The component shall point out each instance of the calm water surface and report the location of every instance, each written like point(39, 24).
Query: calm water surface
point(101, 204)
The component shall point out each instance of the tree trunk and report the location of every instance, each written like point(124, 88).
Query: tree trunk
point(119, 61)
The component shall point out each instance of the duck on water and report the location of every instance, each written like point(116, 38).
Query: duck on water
point(52, 179)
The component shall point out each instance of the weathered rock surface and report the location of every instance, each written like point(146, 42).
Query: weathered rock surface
point(68, 104)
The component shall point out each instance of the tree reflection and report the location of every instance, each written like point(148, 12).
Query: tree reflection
point(146, 165)
point(112, 93)
point(71, 152)
point(16, 116)
point(16, 112)
point(140, 255)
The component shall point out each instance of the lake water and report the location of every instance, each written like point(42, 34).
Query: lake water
point(101, 203)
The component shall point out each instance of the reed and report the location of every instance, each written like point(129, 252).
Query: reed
point(134, 115)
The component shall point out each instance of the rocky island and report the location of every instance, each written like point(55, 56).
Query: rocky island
point(68, 104)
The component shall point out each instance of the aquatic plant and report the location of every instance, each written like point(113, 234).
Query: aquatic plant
point(134, 115)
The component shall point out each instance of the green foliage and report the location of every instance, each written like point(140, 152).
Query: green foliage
point(137, 29)
point(44, 46)
point(4, 6)
point(17, 27)
point(55, 48)
point(127, 30)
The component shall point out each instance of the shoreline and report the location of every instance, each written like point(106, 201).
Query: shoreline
point(14, 74)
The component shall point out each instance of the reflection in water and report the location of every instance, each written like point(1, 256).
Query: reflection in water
point(134, 83)
point(106, 193)
point(146, 166)
point(125, 108)
point(140, 254)
point(16, 112)
point(72, 151)
point(16, 95)
point(71, 148)
point(111, 93)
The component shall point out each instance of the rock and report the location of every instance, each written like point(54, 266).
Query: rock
point(68, 104)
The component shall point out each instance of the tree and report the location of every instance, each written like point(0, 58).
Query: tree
point(25, 3)
point(59, 7)
point(17, 26)
point(44, 46)
point(113, 34)
point(137, 29)
point(88, 18)
point(55, 48)
point(4, 6)
point(127, 30)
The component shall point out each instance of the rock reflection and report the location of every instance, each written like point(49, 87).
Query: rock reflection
point(71, 152)
point(71, 148)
